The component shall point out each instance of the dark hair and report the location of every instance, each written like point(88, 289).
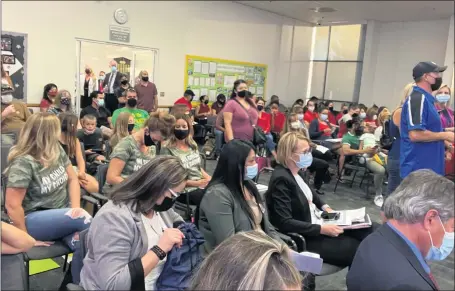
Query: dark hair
point(95, 94)
point(353, 106)
point(314, 98)
point(230, 171)
point(68, 122)
point(260, 99)
point(380, 109)
point(248, 94)
point(145, 186)
point(362, 106)
point(299, 101)
point(351, 123)
point(164, 124)
point(274, 102)
point(46, 90)
point(221, 96)
point(322, 108)
point(202, 97)
point(327, 103)
point(102, 72)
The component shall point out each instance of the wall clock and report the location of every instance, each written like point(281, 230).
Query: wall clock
point(120, 16)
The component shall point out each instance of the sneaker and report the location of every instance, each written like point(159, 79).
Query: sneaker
point(379, 200)
point(386, 183)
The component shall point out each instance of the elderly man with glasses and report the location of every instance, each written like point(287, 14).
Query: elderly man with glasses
point(420, 228)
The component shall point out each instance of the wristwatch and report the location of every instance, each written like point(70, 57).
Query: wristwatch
point(158, 252)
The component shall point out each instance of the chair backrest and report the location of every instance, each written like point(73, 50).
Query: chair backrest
point(5, 148)
point(203, 160)
point(83, 239)
point(83, 151)
point(101, 175)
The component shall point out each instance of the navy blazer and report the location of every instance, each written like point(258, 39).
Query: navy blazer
point(384, 261)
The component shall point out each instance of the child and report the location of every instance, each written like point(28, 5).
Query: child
point(92, 137)
point(123, 127)
point(369, 141)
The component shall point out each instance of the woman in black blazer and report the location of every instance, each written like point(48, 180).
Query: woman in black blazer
point(293, 207)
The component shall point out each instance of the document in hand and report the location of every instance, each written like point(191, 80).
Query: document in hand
point(352, 219)
point(307, 262)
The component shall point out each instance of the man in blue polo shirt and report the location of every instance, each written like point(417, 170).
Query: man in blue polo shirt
point(422, 136)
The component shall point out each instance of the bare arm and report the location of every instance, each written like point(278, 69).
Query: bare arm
point(205, 175)
point(350, 152)
point(79, 157)
point(196, 112)
point(429, 136)
point(73, 187)
point(396, 118)
point(115, 169)
point(228, 125)
point(14, 240)
point(14, 198)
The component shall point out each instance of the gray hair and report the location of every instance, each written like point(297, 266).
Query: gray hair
point(418, 193)
point(145, 186)
point(248, 261)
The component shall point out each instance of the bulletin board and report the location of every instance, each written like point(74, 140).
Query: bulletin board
point(14, 61)
point(210, 76)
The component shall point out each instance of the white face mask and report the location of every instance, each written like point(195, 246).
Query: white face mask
point(7, 99)
point(295, 125)
point(311, 108)
point(375, 117)
point(300, 116)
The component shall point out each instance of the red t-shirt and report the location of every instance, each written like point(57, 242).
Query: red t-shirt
point(184, 101)
point(309, 116)
point(278, 124)
point(44, 104)
point(322, 126)
point(339, 115)
point(264, 121)
point(332, 118)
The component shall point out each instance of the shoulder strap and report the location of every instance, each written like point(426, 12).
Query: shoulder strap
point(251, 122)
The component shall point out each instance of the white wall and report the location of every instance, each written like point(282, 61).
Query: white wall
point(393, 49)
point(213, 29)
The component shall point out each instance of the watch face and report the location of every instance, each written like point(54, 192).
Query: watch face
point(120, 16)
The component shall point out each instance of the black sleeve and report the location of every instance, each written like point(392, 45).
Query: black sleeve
point(83, 113)
point(137, 275)
point(314, 129)
point(282, 209)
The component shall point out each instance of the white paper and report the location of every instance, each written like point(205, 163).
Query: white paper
point(202, 82)
point(197, 66)
point(252, 90)
point(196, 82)
point(205, 68)
point(322, 149)
point(196, 93)
point(212, 95)
point(190, 80)
point(212, 69)
point(260, 90)
point(212, 82)
point(203, 91)
point(261, 188)
point(229, 81)
point(306, 262)
point(334, 140)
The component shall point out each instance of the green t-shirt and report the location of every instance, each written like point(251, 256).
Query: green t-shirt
point(190, 159)
point(46, 187)
point(140, 116)
point(352, 140)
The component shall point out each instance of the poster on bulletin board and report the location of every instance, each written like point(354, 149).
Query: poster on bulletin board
point(210, 76)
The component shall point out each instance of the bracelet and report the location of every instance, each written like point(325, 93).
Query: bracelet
point(158, 252)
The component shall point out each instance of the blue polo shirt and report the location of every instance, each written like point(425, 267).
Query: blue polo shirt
point(419, 113)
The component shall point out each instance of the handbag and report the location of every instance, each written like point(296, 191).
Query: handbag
point(259, 137)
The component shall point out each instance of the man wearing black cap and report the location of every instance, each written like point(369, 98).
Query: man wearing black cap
point(422, 137)
point(186, 99)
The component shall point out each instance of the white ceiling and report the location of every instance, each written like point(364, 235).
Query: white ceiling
point(357, 11)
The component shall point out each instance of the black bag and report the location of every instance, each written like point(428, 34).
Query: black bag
point(259, 137)
point(386, 140)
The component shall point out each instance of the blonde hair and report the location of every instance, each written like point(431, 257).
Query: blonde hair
point(383, 116)
point(248, 261)
point(287, 146)
point(39, 138)
point(444, 86)
point(303, 131)
point(68, 123)
point(172, 141)
point(407, 91)
point(58, 99)
point(120, 128)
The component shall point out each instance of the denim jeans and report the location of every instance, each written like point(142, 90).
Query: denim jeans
point(269, 142)
point(393, 167)
point(219, 139)
point(57, 224)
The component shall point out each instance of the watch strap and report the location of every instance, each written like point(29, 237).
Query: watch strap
point(158, 252)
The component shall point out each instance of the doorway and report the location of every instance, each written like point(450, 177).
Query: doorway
point(96, 55)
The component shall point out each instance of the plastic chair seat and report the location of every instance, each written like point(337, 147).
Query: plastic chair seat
point(57, 249)
point(328, 269)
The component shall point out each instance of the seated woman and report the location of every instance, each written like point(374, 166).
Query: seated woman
point(14, 240)
point(277, 120)
point(294, 208)
point(230, 267)
point(310, 113)
point(182, 145)
point(72, 146)
point(43, 194)
point(132, 233)
point(264, 122)
point(219, 104)
point(319, 164)
point(123, 128)
point(62, 103)
point(202, 110)
point(352, 146)
point(49, 94)
point(332, 115)
point(371, 118)
point(231, 202)
point(384, 116)
point(321, 129)
point(137, 149)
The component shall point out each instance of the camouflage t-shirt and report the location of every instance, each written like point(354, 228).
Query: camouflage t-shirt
point(47, 188)
point(190, 159)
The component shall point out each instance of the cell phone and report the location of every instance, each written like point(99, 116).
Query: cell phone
point(330, 215)
point(98, 151)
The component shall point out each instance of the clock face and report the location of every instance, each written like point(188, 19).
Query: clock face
point(120, 16)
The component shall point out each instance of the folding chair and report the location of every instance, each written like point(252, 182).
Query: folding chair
point(14, 276)
point(357, 164)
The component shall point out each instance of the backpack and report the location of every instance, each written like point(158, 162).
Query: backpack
point(182, 262)
point(386, 140)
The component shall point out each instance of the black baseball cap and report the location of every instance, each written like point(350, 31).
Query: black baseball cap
point(426, 67)
point(189, 92)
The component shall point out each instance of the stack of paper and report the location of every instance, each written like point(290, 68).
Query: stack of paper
point(351, 219)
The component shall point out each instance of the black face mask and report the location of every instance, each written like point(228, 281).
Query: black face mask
point(359, 131)
point(165, 205)
point(260, 107)
point(437, 84)
point(206, 102)
point(345, 111)
point(130, 127)
point(132, 102)
point(148, 141)
point(242, 94)
point(331, 108)
point(181, 134)
point(145, 79)
point(124, 82)
point(221, 101)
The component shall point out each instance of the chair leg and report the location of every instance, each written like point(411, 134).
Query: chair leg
point(65, 263)
point(27, 269)
point(363, 177)
point(188, 208)
point(353, 177)
point(338, 179)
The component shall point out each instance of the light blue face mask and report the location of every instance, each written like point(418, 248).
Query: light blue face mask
point(114, 68)
point(251, 172)
point(363, 115)
point(100, 102)
point(305, 161)
point(443, 98)
point(324, 117)
point(439, 254)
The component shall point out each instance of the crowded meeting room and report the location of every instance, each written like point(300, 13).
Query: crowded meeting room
point(308, 145)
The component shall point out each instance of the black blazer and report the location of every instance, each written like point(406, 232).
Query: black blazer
point(384, 261)
point(116, 81)
point(288, 207)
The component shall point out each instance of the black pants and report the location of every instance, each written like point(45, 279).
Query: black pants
point(339, 250)
point(111, 102)
point(85, 101)
point(320, 168)
point(195, 197)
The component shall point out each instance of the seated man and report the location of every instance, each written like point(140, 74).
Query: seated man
point(97, 109)
point(420, 228)
point(140, 115)
point(186, 99)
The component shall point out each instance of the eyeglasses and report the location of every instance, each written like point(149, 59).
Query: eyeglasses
point(308, 151)
point(174, 194)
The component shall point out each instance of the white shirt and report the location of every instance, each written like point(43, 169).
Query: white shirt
point(154, 228)
point(315, 212)
point(111, 82)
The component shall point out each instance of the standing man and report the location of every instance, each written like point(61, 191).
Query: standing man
point(139, 115)
point(147, 94)
point(186, 99)
point(112, 82)
point(422, 136)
